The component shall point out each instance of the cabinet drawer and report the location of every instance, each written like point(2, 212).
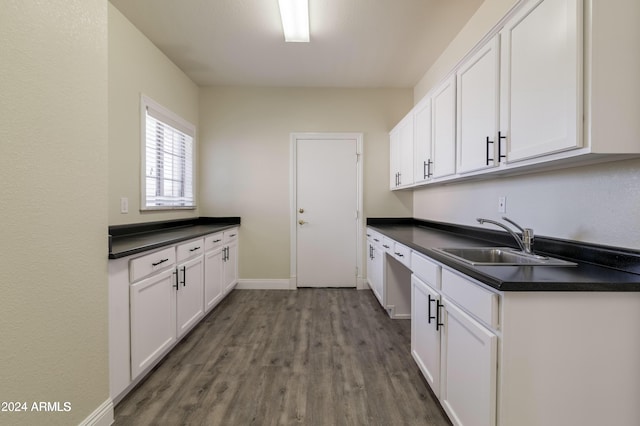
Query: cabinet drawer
point(374, 236)
point(213, 241)
point(387, 245)
point(425, 269)
point(150, 263)
point(230, 235)
point(402, 254)
point(470, 296)
point(190, 249)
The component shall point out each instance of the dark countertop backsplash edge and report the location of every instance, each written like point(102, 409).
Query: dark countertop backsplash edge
point(144, 227)
point(123, 232)
point(622, 259)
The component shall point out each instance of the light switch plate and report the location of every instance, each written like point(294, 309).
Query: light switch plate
point(124, 205)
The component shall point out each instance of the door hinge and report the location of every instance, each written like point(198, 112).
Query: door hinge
point(356, 271)
point(357, 157)
point(356, 214)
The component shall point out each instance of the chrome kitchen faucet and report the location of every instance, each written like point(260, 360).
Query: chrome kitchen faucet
point(525, 243)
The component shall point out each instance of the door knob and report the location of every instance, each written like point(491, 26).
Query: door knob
point(301, 210)
point(301, 222)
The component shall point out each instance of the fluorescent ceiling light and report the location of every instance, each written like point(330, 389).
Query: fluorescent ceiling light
point(295, 19)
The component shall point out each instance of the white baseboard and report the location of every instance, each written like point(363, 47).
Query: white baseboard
point(101, 416)
point(284, 284)
point(265, 284)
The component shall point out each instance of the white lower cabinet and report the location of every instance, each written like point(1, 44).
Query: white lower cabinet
point(389, 275)
point(190, 294)
point(375, 264)
point(455, 352)
point(468, 370)
point(230, 259)
point(378, 270)
point(524, 358)
point(425, 333)
point(164, 306)
point(213, 290)
point(370, 264)
point(156, 298)
point(153, 319)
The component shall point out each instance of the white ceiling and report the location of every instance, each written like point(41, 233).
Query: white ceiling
point(354, 43)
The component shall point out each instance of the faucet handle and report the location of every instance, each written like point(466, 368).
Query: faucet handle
point(527, 239)
point(515, 224)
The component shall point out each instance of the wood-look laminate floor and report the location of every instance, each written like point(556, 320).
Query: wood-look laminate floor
point(308, 357)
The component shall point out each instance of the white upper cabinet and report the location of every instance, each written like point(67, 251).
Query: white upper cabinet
point(401, 144)
point(444, 128)
point(422, 136)
point(554, 82)
point(541, 78)
point(406, 153)
point(478, 88)
point(394, 158)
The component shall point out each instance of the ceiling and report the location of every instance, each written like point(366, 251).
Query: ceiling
point(354, 43)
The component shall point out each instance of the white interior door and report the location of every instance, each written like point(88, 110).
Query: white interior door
point(326, 212)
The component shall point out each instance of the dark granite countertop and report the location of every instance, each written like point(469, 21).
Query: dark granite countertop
point(599, 268)
point(125, 240)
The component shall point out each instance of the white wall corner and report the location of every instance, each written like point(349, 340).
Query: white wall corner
point(101, 416)
point(362, 284)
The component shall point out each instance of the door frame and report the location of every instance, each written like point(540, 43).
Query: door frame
point(293, 215)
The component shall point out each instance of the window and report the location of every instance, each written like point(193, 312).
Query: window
point(167, 159)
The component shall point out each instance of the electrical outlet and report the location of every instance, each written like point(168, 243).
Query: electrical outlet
point(124, 205)
point(502, 204)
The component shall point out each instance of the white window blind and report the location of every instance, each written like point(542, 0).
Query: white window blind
point(168, 159)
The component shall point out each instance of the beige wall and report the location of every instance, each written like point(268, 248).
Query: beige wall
point(487, 15)
point(597, 204)
point(53, 165)
point(244, 136)
point(136, 66)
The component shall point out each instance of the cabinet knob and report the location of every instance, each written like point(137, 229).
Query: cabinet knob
point(301, 222)
point(301, 211)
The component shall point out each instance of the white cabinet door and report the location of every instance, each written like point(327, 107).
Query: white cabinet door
point(477, 87)
point(153, 319)
point(378, 272)
point(401, 153)
point(190, 294)
point(394, 158)
point(422, 135)
point(541, 78)
point(370, 263)
point(444, 128)
point(468, 370)
point(375, 265)
point(425, 334)
point(406, 152)
point(230, 258)
point(213, 269)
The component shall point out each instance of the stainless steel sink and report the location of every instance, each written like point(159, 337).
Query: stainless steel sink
point(495, 256)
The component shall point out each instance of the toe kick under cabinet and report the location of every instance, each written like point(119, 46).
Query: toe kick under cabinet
point(156, 297)
point(525, 358)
